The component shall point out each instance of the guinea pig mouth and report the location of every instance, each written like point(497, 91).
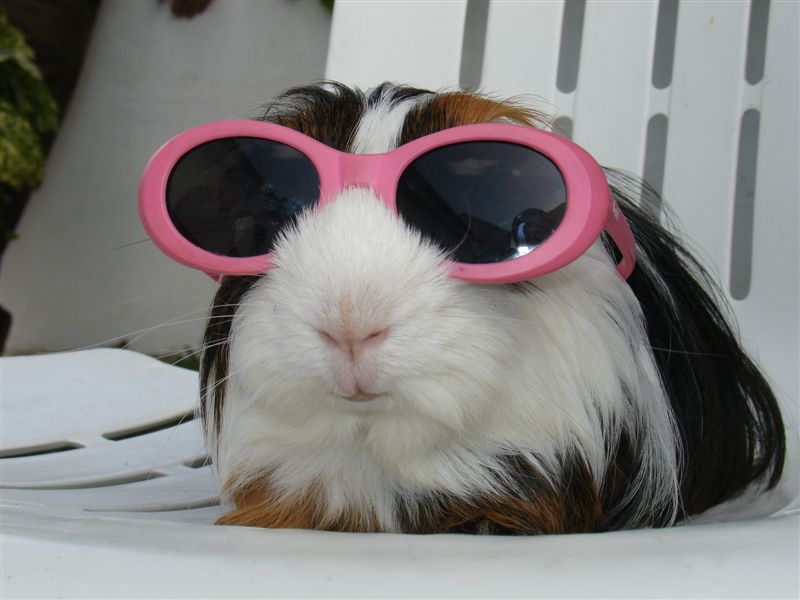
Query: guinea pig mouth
point(361, 397)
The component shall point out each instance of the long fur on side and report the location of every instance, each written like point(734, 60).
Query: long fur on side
point(729, 419)
point(575, 402)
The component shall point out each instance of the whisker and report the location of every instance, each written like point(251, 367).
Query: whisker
point(687, 353)
point(128, 245)
point(222, 380)
point(189, 351)
point(142, 332)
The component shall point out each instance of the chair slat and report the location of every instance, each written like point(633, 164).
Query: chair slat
point(80, 396)
point(769, 315)
point(611, 101)
point(106, 463)
point(704, 119)
point(196, 488)
point(417, 42)
point(521, 51)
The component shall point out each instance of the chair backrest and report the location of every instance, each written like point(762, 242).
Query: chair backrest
point(105, 487)
point(700, 98)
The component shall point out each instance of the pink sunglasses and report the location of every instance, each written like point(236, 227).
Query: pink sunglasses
point(507, 203)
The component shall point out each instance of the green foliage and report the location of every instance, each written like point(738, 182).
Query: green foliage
point(21, 157)
point(27, 110)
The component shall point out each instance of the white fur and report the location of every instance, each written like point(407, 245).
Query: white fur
point(467, 373)
point(380, 126)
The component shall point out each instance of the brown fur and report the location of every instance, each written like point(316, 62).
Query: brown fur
point(572, 507)
point(452, 109)
point(542, 514)
point(257, 505)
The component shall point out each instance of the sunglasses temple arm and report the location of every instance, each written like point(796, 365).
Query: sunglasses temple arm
point(620, 232)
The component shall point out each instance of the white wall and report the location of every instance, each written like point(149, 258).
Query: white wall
point(77, 276)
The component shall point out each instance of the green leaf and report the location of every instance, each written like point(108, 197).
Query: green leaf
point(27, 110)
point(21, 158)
point(14, 48)
point(30, 97)
point(21, 82)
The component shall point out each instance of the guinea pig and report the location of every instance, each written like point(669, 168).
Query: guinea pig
point(357, 386)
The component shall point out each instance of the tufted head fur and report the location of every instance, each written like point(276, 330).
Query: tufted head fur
point(357, 387)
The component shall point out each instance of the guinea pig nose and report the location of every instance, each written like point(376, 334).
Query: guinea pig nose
point(354, 344)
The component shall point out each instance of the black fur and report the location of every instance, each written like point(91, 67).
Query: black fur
point(728, 417)
point(214, 365)
point(526, 503)
point(394, 94)
point(327, 112)
point(330, 112)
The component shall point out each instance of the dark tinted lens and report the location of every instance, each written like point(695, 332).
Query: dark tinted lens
point(233, 196)
point(483, 201)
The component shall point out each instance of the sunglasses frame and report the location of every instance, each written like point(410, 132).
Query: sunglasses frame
point(590, 208)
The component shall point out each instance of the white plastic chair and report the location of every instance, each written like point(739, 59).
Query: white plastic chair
point(105, 490)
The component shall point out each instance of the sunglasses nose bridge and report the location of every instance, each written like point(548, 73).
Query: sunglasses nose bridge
point(360, 170)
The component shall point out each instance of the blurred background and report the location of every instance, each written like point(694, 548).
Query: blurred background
point(698, 97)
point(78, 270)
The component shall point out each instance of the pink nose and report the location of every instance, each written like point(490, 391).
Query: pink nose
point(353, 344)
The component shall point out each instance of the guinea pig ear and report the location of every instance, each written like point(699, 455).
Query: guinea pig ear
point(730, 424)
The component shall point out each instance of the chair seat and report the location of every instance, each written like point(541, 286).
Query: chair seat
point(106, 491)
